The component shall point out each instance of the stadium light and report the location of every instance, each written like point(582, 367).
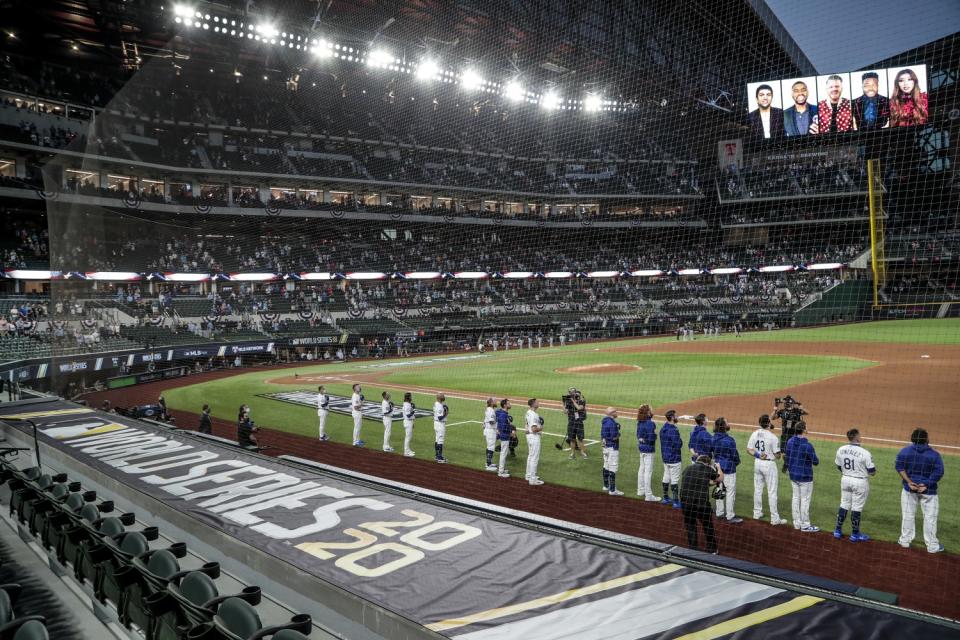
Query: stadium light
point(253, 277)
point(112, 275)
point(379, 58)
point(322, 49)
point(427, 70)
point(31, 274)
point(514, 91)
point(724, 271)
point(471, 80)
point(268, 30)
point(187, 277)
point(592, 102)
point(182, 11)
point(551, 100)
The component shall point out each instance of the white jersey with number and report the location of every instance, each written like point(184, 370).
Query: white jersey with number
point(439, 412)
point(765, 443)
point(386, 409)
point(489, 418)
point(854, 461)
point(323, 401)
point(533, 420)
point(355, 403)
point(408, 414)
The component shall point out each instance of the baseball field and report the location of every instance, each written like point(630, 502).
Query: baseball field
point(885, 378)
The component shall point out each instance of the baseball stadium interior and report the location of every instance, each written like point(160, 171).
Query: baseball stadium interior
point(575, 263)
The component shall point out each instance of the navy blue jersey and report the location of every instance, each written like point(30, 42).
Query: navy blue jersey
point(724, 452)
point(610, 433)
point(646, 436)
point(504, 425)
point(671, 444)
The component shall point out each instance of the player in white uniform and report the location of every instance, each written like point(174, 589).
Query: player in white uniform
point(856, 465)
point(440, 413)
point(409, 413)
point(764, 446)
point(534, 425)
point(386, 412)
point(356, 412)
point(490, 432)
point(323, 404)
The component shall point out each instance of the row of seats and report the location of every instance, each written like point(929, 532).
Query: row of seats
point(112, 554)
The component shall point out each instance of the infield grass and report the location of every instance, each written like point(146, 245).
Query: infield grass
point(663, 378)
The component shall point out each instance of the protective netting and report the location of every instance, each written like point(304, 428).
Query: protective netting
point(388, 182)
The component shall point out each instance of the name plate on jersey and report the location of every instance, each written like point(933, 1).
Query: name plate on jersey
point(341, 404)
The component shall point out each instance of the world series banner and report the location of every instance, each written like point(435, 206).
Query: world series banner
point(458, 574)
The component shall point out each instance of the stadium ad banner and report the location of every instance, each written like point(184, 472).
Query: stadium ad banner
point(34, 370)
point(845, 102)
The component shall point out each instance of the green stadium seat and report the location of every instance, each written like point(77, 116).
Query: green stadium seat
point(31, 630)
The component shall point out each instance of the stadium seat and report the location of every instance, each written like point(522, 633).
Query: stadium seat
point(32, 630)
point(238, 620)
point(9, 624)
point(87, 534)
point(151, 573)
point(190, 603)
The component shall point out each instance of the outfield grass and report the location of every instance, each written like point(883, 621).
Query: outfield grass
point(665, 377)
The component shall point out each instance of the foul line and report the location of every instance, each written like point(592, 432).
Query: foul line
point(733, 625)
point(557, 598)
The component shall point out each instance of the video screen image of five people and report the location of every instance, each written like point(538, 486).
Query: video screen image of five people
point(838, 103)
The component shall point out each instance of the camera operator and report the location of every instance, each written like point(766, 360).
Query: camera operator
point(576, 407)
point(790, 412)
point(247, 431)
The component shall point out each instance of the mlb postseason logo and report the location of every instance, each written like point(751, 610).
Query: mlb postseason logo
point(341, 404)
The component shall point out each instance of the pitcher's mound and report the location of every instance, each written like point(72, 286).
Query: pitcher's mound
point(601, 368)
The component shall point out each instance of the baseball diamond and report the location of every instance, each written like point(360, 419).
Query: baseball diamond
point(518, 320)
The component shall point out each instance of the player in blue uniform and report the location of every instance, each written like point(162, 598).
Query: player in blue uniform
point(647, 444)
point(801, 458)
point(700, 441)
point(610, 437)
point(505, 433)
point(671, 447)
point(725, 454)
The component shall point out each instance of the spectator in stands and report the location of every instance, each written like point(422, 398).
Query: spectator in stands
point(766, 121)
point(801, 118)
point(871, 110)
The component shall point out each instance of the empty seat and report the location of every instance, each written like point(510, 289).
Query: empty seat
point(34, 630)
